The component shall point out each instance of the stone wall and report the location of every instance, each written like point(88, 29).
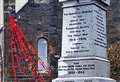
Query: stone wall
point(40, 20)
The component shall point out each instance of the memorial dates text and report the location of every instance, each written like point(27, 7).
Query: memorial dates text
point(76, 68)
point(77, 30)
point(80, 27)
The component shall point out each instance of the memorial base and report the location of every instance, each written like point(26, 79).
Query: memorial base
point(83, 67)
point(84, 79)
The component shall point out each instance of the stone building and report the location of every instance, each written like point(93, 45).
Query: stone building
point(41, 20)
point(41, 23)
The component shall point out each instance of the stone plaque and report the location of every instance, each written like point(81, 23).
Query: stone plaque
point(88, 67)
point(84, 30)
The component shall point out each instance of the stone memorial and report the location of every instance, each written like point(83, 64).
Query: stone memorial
point(84, 55)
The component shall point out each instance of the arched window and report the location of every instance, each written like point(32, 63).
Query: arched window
point(42, 53)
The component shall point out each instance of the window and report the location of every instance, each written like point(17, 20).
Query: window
point(42, 53)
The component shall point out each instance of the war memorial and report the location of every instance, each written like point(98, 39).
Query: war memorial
point(84, 41)
point(84, 56)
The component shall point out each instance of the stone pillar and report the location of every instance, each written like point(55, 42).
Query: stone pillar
point(84, 56)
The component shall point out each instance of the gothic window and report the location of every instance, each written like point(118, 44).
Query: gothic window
point(42, 53)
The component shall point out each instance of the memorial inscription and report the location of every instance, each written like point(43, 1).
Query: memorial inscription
point(78, 28)
point(80, 67)
point(100, 25)
point(76, 68)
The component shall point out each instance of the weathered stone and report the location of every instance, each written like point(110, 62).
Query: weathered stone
point(84, 57)
point(83, 67)
point(84, 31)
